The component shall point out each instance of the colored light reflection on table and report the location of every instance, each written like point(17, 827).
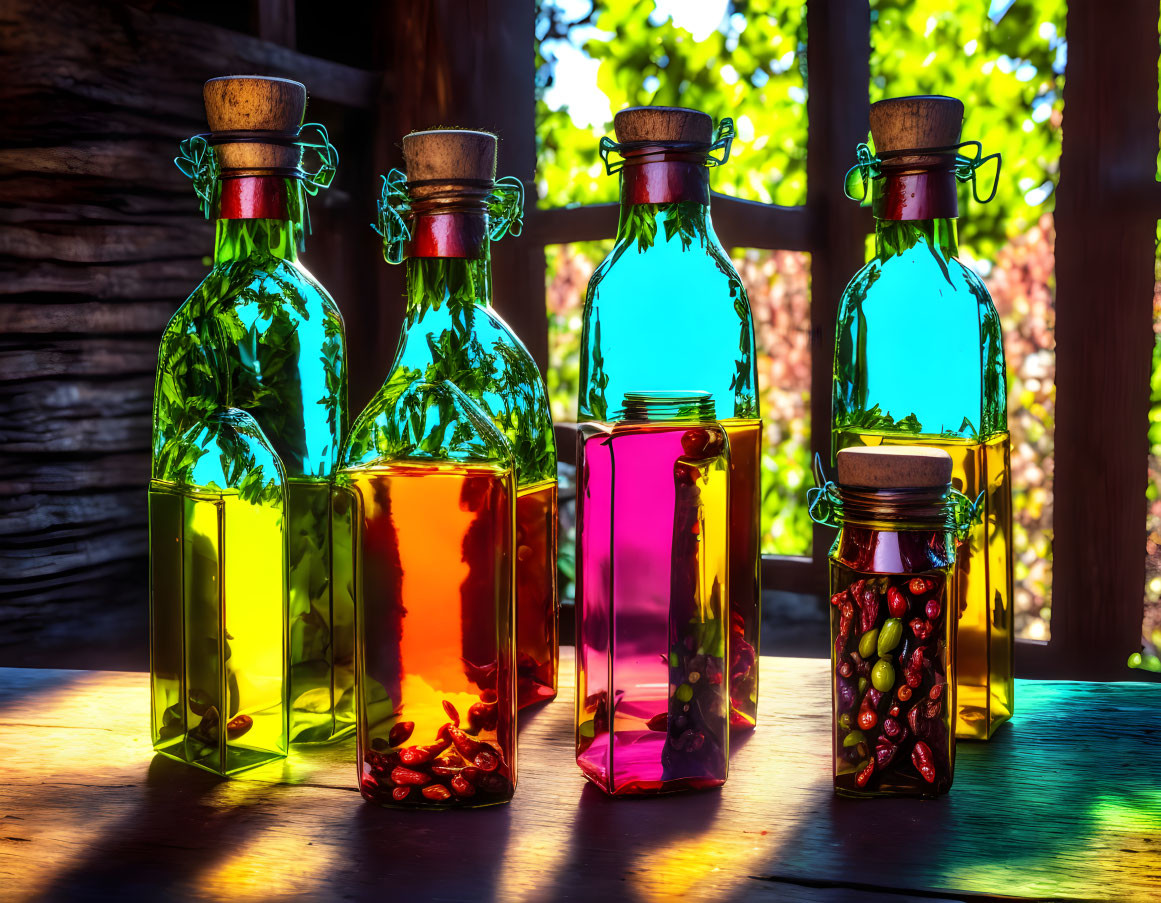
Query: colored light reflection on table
point(1040, 811)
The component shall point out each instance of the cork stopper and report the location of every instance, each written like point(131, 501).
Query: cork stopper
point(448, 154)
point(901, 123)
point(255, 102)
point(663, 124)
point(894, 467)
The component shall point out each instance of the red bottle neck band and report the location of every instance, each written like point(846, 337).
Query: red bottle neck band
point(657, 176)
point(459, 234)
point(916, 193)
point(253, 197)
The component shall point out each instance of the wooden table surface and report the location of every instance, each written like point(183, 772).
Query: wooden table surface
point(1064, 803)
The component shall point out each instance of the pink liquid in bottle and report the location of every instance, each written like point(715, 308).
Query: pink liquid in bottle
point(652, 611)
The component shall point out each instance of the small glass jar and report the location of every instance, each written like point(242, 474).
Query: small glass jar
point(894, 607)
point(652, 597)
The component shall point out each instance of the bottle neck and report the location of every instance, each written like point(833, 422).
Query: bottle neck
point(447, 283)
point(894, 237)
point(659, 184)
point(255, 217)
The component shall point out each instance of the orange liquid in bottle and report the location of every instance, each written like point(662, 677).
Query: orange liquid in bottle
point(433, 582)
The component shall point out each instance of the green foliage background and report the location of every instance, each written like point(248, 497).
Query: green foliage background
point(1005, 62)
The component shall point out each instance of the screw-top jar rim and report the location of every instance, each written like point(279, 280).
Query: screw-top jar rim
point(680, 405)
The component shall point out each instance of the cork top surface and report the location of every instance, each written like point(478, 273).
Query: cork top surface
point(442, 154)
point(663, 124)
point(256, 103)
point(894, 467)
point(901, 123)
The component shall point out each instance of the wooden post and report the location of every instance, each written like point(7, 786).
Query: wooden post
point(473, 66)
point(838, 58)
point(1105, 239)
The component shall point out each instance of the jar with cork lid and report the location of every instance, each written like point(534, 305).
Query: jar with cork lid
point(913, 303)
point(894, 605)
point(439, 220)
point(667, 311)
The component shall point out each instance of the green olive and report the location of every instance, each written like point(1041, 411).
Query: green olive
point(890, 635)
point(845, 721)
point(867, 642)
point(883, 676)
point(862, 685)
point(854, 738)
point(684, 693)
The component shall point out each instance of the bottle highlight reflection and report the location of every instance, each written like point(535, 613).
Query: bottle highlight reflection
point(424, 519)
point(652, 588)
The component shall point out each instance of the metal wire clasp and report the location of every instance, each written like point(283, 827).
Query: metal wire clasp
point(506, 208)
point(723, 140)
point(823, 500)
point(392, 211)
point(869, 166)
point(198, 162)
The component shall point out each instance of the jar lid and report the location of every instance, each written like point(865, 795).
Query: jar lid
point(894, 467)
point(673, 405)
point(663, 124)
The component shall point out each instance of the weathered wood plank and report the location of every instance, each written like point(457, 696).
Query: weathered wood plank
point(1044, 811)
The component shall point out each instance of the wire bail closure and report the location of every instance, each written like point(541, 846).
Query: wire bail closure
point(869, 166)
point(395, 211)
point(198, 162)
point(825, 505)
point(723, 139)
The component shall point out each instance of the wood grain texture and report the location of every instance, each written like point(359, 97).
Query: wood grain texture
point(1063, 803)
point(1105, 249)
point(100, 240)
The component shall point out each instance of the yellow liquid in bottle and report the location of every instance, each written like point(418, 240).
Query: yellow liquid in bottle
point(217, 628)
point(985, 670)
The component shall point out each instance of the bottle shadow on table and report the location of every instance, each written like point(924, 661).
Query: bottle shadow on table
point(615, 844)
point(161, 847)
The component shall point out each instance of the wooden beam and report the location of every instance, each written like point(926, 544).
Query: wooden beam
point(838, 58)
point(557, 225)
point(1104, 335)
point(749, 224)
point(274, 21)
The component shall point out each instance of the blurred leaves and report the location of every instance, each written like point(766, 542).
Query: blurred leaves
point(1007, 67)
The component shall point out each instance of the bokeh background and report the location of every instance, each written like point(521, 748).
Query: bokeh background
point(747, 58)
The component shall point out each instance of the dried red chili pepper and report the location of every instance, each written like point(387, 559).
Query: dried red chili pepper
point(460, 787)
point(418, 755)
point(238, 725)
point(868, 609)
point(401, 733)
point(921, 628)
point(400, 793)
point(436, 792)
point(896, 603)
point(865, 774)
point(403, 776)
point(451, 713)
point(913, 672)
point(921, 759)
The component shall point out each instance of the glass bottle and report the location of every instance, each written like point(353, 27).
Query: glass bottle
point(912, 305)
point(893, 637)
point(667, 310)
point(262, 335)
point(653, 499)
point(217, 597)
point(424, 513)
point(442, 224)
